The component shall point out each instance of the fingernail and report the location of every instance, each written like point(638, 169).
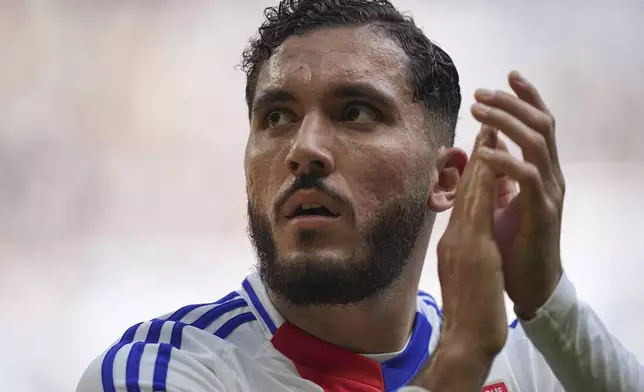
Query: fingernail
point(518, 77)
point(480, 108)
point(483, 93)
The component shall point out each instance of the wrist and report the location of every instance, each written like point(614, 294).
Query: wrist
point(464, 355)
point(455, 367)
point(527, 309)
point(482, 346)
point(525, 314)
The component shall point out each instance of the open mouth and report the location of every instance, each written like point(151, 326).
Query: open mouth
point(311, 204)
point(312, 209)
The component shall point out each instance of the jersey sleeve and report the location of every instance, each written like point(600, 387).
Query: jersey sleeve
point(151, 367)
point(575, 350)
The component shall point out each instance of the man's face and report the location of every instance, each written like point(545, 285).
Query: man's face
point(337, 167)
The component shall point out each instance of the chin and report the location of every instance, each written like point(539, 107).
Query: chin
point(338, 264)
point(311, 254)
point(320, 277)
point(311, 244)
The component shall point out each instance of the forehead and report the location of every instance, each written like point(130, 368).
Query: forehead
point(313, 62)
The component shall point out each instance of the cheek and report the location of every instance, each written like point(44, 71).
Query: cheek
point(262, 172)
point(256, 175)
point(382, 175)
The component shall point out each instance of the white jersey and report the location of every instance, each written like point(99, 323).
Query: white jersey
point(241, 343)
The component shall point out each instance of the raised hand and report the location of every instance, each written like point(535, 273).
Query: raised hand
point(527, 223)
point(469, 260)
point(470, 271)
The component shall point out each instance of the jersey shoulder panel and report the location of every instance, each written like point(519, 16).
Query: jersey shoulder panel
point(200, 337)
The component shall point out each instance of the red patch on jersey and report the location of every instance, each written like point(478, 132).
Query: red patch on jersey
point(496, 387)
point(331, 367)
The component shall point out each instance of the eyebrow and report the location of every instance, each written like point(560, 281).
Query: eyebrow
point(364, 91)
point(271, 96)
point(354, 90)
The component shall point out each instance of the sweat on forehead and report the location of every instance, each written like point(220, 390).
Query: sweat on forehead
point(335, 56)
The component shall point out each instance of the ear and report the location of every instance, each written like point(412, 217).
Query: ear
point(450, 165)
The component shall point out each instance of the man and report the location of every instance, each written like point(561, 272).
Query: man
point(349, 158)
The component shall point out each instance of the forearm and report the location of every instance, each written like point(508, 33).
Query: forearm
point(579, 349)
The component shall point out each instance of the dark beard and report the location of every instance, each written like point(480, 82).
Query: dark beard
point(311, 281)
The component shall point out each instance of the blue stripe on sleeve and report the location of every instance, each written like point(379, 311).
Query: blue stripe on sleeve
point(228, 297)
point(161, 367)
point(128, 336)
point(233, 323)
point(107, 367)
point(163, 357)
point(258, 305)
point(155, 331)
point(132, 367)
point(136, 353)
point(181, 313)
point(514, 323)
point(133, 363)
point(219, 310)
point(177, 334)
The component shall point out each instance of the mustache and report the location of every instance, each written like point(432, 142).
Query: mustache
point(309, 181)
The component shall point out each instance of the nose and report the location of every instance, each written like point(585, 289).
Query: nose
point(311, 149)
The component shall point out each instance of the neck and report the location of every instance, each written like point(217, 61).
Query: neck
point(378, 325)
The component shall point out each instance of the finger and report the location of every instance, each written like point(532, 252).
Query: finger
point(534, 118)
point(529, 93)
point(526, 91)
point(487, 137)
point(506, 187)
point(475, 197)
point(506, 190)
point(526, 174)
point(533, 144)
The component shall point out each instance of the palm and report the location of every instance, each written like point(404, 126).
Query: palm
point(512, 234)
point(506, 209)
point(526, 222)
point(506, 222)
point(514, 229)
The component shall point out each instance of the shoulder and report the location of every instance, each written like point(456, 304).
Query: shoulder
point(178, 349)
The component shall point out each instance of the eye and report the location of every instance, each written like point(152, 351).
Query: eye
point(276, 118)
point(360, 113)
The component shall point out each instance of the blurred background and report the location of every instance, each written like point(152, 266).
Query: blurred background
point(122, 133)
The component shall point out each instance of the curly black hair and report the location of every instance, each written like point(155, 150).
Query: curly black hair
point(431, 71)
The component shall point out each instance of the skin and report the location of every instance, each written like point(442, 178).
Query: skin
point(497, 239)
point(471, 274)
point(369, 162)
point(527, 224)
